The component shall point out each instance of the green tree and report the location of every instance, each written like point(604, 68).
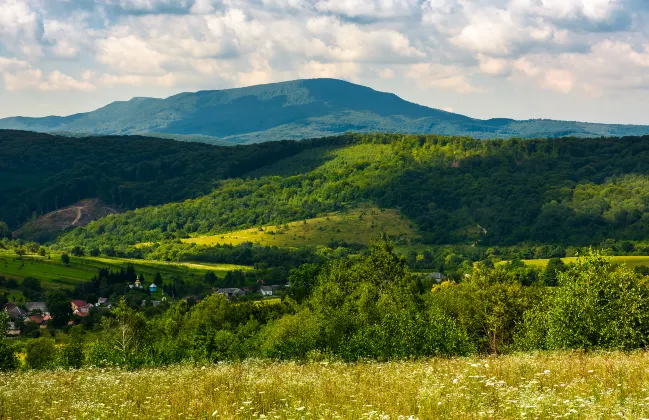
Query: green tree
point(301, 281)
point(5, 232)
point(552, 270)
point(210, 278)
point(72, 355)
point(59, 306)
point(41, 353)
point(65, 259)
point(8, 359)
point(595, 306)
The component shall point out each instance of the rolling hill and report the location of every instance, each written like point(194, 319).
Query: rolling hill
point(452, 190)
point(295, 110)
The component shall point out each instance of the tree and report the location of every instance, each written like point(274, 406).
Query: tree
point(595, 306)
point(59, 306)
point(301, 281)
point(41, 353)
point(158, 279)
point(31, 288)
point(210, 278)
point(125, 332)
point(8, 359)
point(550, 274)
point(4, 231)
point(65, 258)
point(72, 354)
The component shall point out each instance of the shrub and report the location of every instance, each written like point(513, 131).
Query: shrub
point(41, 353)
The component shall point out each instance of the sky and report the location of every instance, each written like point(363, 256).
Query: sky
point(583, 60)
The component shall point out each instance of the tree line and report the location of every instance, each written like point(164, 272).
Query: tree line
point(373, 307)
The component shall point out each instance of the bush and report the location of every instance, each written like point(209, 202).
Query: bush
point(8, 359)
point(41, 353)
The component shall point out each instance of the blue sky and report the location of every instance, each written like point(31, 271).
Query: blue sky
point(585, 60)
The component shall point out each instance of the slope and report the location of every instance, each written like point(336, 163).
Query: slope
point(295, 110)
point(452, 189)
point(42, 173)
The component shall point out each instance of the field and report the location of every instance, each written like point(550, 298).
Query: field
point(355, 226)
point(53, 273)
point(631, 261)
point(545, 386)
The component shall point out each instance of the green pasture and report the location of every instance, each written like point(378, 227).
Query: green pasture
point(53, 273)
point(631, 261)
point(355, 226)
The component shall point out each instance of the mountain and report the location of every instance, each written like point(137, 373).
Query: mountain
point(295, 110)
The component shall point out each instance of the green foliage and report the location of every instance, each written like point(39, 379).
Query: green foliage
point(41, 353)
point(5, 232)
point(302, 280)
point(595, 306)
point(552, 270)
point(454, 190)
point(65, 258)
point(8, 358)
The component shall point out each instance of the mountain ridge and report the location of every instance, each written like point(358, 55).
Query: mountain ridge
point(297, 109)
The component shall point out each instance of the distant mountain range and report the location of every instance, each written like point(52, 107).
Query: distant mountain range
point(295, 110)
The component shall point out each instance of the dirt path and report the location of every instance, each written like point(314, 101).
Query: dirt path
point(78, 215)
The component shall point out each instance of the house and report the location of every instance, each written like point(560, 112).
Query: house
point(277, 289)
point(230, 292)
point(76, 304)
point(266, 290)
point(103, 302)
point(37, 319)
point(80, 308)
point(14, 311)
point(438, 277)
point(153, 288)
point(12, 329)
point(36, 307)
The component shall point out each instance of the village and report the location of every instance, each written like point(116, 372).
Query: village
point(33, 316)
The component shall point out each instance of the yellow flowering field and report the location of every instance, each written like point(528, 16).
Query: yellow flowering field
point(543, 386)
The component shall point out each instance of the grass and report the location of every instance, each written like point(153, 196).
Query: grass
point(53, 273)
point(543, 386)
point(361, 226)
point(631, 261)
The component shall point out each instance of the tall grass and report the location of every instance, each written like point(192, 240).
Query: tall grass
point(567, 385)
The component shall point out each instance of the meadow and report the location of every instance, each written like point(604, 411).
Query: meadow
point(631, 261)
point(545, 386)
point(359, 226)
point(53, 273)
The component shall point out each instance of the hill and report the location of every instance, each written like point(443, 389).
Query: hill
point(48, 226)
point(42, 173)
point(452, 190)
point(358, 226)
point(295, 110)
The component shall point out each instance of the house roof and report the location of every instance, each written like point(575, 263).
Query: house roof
point(266, 288)
point(36, 305)
point(35, 318)
point(78, 303)
point(102, 300)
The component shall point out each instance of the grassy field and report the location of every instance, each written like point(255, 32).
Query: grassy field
point(356, 226)
point(631, 261)
point(546, 386)
point(53, 273)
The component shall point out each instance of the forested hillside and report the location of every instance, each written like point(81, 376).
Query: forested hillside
point(454, 190)
point(295, 110)
point(41, 173)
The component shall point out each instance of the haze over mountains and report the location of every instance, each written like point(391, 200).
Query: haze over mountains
point(295, 110)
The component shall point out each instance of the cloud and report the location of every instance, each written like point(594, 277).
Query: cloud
point(568, 47)
point(19, 75)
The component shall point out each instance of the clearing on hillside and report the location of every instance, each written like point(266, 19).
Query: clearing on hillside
point(46, 227)
point(53, 273)
point(632, 261)
point(358, 226)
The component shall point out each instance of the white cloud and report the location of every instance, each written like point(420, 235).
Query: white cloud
point(441, 77)
point(19, 75)
point(369, 8)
